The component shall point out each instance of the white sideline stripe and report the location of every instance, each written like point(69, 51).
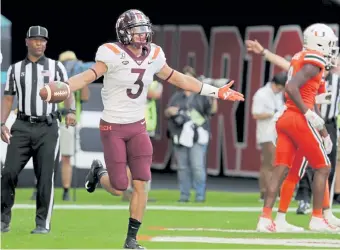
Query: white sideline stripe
point(251, 241)
point(154, 207)
point(223, 230)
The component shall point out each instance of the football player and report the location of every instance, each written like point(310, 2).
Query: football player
point(296, 172)
point(299, 127)
point(128, 67)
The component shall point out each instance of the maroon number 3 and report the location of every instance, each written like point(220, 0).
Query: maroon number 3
point(138, 82)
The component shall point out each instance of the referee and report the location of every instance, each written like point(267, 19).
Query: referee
point(329, 113)
point(35, 133)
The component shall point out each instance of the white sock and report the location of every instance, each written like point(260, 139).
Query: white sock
point(280, 216)
point(327, 213)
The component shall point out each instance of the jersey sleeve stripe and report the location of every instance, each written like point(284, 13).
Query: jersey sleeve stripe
point(112, 48)
point(316, 58)
point(157, 50)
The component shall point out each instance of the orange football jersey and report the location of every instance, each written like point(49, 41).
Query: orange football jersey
point(322, 88)
point(313, 86)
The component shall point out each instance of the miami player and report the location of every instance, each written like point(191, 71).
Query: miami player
point(129, 66)
point(299, 126)
point(297, 171)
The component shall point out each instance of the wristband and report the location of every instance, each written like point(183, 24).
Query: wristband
point(3, 123)
point(263, 52)
point(208, 90)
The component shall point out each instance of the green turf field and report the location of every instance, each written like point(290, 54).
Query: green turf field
point(98, 220)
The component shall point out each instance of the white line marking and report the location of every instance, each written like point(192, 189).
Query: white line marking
point(251, 241)
point(155, 207)
point(224, 230)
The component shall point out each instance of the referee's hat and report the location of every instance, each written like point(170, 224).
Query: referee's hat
point(37, 31)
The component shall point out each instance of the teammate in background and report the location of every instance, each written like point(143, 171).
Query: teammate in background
point(129, 66)
point(297, 171)
point(298, 126)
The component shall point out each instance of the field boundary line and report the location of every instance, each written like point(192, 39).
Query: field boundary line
point(312, 243)
point(153, 207)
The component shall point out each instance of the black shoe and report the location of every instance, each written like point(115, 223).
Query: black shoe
point(92, 178)
point(4, 227)
point(66, 196)
point(304, 208)
point(34, 196)
point(131, 243)
point(40, 230)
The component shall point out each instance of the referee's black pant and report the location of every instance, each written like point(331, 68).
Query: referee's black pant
point(40, 141)
point(305, 189)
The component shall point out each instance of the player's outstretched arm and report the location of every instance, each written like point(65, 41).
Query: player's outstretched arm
point(257, 48)
point(192, 84)
point(85, 78)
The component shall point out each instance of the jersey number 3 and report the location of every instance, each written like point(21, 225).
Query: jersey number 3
point(139, 82)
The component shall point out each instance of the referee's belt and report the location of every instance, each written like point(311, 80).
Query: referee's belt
point(38, 119)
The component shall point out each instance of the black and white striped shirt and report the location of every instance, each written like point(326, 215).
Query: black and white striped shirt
point(26, 78)
point(331, 111)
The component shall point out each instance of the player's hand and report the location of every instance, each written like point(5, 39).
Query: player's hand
point(70, 120)
point(327, 142)
point(5, 134)
point(225, 93)
point(324, 98)
point(254, 46)
point(315, 120)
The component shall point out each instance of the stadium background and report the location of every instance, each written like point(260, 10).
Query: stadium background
point(207, 36)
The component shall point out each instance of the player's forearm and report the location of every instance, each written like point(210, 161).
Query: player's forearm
point(185, 82)
point(6, 107)
point(276, 59)
point(192, 84)
point(81, 80)
point(294, 93)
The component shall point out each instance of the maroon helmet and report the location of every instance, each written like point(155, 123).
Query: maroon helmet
point(133, 22)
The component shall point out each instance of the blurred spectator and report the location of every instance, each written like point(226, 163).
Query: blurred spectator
point(266, 102)
point(189, 129)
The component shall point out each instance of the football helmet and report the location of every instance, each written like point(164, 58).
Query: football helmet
point(133, 22)
point(320, 37)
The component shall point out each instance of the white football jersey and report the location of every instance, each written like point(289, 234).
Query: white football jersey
point(126, 81)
